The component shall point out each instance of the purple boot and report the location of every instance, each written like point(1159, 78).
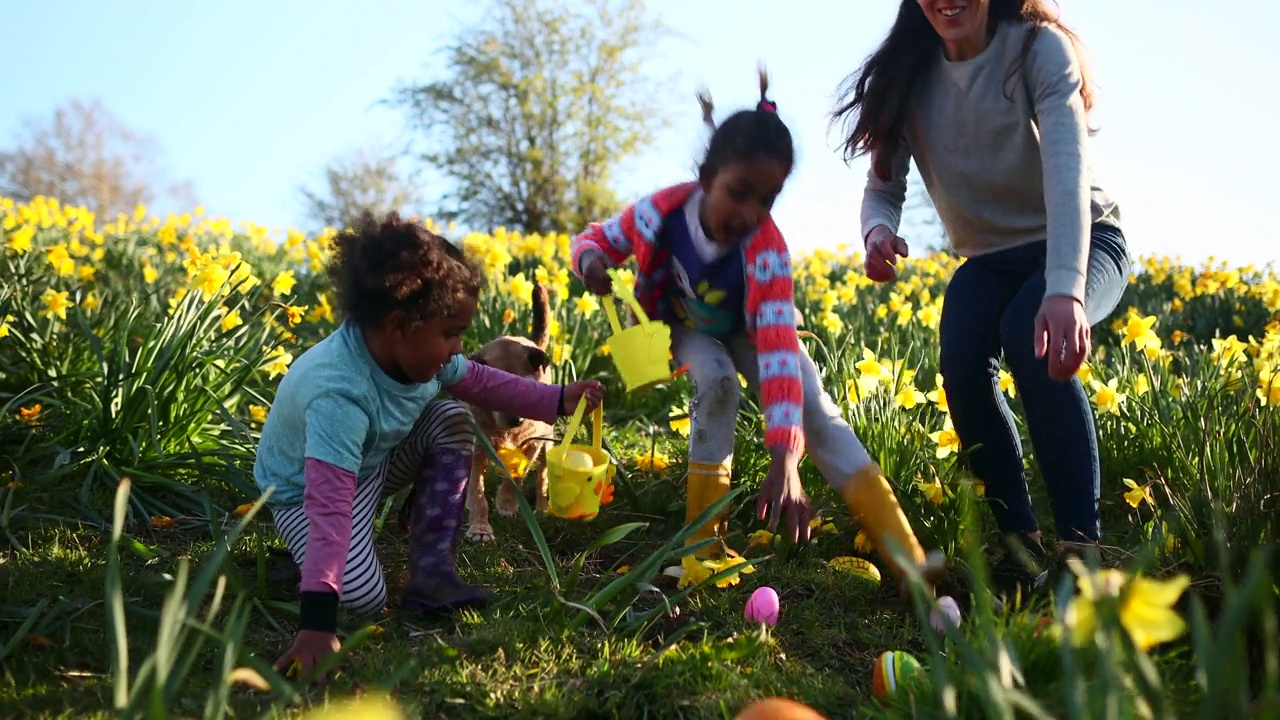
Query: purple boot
point(434, 527)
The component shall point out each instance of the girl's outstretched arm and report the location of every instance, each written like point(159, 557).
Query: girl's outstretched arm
point(493, 389)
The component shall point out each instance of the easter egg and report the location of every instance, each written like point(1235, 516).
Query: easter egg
point(579, 461)
point(858, 567)
point(945, 615)
point(763, 606)
point(776, 708)
point(894, 669)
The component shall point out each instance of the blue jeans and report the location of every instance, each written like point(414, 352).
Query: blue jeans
point(988, 311)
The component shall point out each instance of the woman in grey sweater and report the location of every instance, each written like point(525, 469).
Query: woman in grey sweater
point(990, 99)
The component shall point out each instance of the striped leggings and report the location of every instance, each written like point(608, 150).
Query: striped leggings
point(442, 424)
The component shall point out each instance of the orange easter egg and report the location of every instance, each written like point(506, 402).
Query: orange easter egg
point(776, 708)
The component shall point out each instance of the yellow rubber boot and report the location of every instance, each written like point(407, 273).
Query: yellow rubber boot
point(874, 505)
point(707, 484)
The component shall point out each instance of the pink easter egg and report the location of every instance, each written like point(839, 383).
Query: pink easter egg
point(946, 614)
point(763, 606)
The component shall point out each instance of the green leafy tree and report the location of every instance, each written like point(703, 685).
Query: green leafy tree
point(538, 107)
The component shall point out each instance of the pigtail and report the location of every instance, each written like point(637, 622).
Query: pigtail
point(704, 99)
point(765, 104)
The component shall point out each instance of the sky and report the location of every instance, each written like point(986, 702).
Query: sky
point(250, 100)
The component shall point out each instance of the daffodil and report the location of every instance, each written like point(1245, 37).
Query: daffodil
point(821, 525)
point(31, 414)
point(283, 284)
point(946, 439)
point(653, 461)
point(760, 539)
point(938, 396)
point(56, 303)
point(679, 420)
point(1146, 607)
point(1137, 494)
point(514, 461)
point(1108, 397)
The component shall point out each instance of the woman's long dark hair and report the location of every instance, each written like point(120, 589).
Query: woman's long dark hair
point(876, 98)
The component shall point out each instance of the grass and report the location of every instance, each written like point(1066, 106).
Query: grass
point(508, 660)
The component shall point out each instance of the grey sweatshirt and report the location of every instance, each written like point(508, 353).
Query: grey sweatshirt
point(1003, 174)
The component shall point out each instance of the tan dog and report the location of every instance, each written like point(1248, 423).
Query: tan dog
point(526, 357)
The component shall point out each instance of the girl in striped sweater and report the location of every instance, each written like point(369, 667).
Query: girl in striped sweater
point(712, 264)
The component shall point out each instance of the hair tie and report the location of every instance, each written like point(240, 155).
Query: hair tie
point(767, 106)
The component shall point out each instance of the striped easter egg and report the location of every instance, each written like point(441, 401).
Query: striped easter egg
point(894, 669)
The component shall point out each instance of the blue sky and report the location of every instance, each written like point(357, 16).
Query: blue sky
point(250, 99)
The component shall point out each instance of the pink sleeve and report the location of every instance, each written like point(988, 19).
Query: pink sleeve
point(500, 391)
point(327, 501)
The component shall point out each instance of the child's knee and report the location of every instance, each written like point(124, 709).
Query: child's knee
point(369, 600)
point(452, 422)
point(716, 392)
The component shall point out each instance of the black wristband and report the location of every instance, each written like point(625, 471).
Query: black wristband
point(563, 409)
point(319, 611)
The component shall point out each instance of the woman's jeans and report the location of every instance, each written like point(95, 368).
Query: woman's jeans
point(989, 310)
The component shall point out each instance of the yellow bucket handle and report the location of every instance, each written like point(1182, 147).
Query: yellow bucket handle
point(626, 297)
point(597, 425)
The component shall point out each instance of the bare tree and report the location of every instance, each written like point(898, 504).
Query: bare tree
point(83, 155)
point(538, 107)
point(359, 181)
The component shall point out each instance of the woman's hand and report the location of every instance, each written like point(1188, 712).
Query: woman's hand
point(883, 250)
point(1063, 332)
point(783, 492)
point(310, 647)
point(574, 392)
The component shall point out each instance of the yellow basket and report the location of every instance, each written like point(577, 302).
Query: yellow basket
point(576, 493)
point(642, 353)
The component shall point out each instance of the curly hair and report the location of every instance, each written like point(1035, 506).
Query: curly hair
point(381, 267)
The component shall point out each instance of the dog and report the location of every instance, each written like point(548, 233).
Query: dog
point(527, 357)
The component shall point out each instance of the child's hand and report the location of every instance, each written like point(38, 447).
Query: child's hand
point(309, 648)
point(883, 250)
point(782, 490)
point(596, 277)
point(590, 389)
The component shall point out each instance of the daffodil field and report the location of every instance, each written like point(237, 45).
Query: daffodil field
point(138, 358)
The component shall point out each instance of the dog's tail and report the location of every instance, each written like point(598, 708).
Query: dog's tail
point(541, 335)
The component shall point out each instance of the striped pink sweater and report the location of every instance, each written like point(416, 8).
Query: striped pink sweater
point(770, 309)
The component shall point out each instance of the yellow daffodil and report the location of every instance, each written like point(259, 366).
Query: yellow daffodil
point(820, 525)
point(946, 439)
point(283, 284)
point(678, 423)
point(652, 461)
point(514, 461)
point(1146, 607)
point(760, 539)
point(1137, 494)
point(56, 303)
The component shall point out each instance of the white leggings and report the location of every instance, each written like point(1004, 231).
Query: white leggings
point(713, 369)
